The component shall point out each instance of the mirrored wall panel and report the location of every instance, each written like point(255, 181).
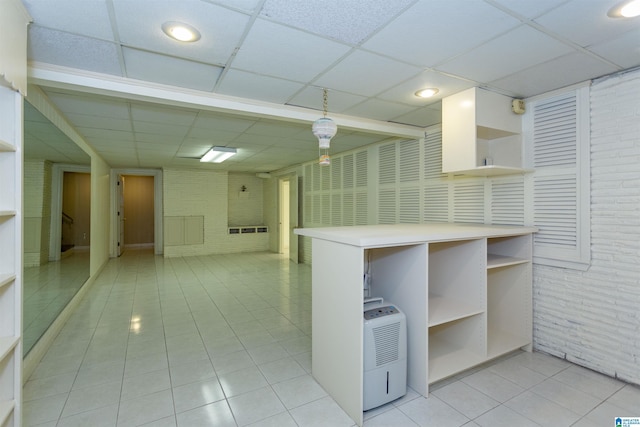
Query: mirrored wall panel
point(57, 194)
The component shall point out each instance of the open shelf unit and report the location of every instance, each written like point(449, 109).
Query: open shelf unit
point(509, 276)
point(11, 259)
point(455, 346)
point(456, 271)
point(465, 291)
point(14, 20)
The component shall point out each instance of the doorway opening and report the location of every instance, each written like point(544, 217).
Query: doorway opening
point(285, 220)
point(136, 212)
point(76, 213)
point(152, 195)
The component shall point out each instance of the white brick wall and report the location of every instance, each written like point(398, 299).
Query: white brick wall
point(593, 317)
point(202, 192)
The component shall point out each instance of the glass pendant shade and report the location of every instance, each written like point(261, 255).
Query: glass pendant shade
point(324, 129)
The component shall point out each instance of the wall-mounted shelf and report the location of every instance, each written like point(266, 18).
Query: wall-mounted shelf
point(6, 279)
point(481, 136)
point(6, 147)
point(6, 409)
point(7, 344)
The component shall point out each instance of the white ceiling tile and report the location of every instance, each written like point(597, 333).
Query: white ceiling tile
point(277, 129)
point(212, 135)
point(405, 92)
point(221, 29)
point(253, 86)
point(555, 74)
point(89, 18)
point(74, 103)
point(170, 71)
point(423, 117)
point(222, 122)
point(108, 134)
point(623, 50)
point(93, 121)
point(586, 22)
point(379, 110)
point(432, 31)
point(110, 143)
point(154, 113)
point(156, 137)
point(367, 74)
point(193, 151)
point(291, 39)
point(511, 52)
point(350, 22)
point(257, 140)
point(284, 52)
point(530, 9)
point(311, 97)
point(247, 5)
point(69, 50)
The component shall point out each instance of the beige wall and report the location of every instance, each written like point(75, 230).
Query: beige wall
point(100, 198)
point(138, 210)
point(76, 202)
point(270, 209)
point(245, 207)
point(188, 192)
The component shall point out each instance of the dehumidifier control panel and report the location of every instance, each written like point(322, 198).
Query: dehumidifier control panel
point(375, 313)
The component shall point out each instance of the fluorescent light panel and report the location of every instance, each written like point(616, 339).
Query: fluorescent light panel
point(218, 154)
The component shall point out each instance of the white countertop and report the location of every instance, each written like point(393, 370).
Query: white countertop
point(407, 234)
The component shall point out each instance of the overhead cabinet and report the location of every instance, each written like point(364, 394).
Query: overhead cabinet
point(481, 135)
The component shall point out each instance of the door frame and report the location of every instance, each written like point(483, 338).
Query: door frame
point(294, 213)
point(284, 237)
point(57, 181)
point(158, 241)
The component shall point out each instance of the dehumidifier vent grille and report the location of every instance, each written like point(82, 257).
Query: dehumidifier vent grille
point(386, 339)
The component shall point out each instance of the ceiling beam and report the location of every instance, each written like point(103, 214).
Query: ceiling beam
point(48, 75)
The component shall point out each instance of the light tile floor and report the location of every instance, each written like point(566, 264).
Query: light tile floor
point(225, 341)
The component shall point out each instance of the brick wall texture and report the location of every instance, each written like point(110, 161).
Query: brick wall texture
point(593, 317)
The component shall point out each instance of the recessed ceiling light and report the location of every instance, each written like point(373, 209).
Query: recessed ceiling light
point(626, 9)
point(426, 93)
point(180, 31)
point(218, 154)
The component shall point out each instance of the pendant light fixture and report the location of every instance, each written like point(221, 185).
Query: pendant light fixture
point(324, 129)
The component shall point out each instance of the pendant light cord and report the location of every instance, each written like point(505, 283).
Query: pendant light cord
point(325, 102)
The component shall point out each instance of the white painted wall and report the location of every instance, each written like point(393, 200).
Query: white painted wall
point(591, 317)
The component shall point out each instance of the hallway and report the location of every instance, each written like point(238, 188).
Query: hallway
point(224, 340)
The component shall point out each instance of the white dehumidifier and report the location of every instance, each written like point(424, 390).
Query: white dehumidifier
point(385, 353)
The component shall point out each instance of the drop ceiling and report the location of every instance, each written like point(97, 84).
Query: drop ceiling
point(277, 55)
